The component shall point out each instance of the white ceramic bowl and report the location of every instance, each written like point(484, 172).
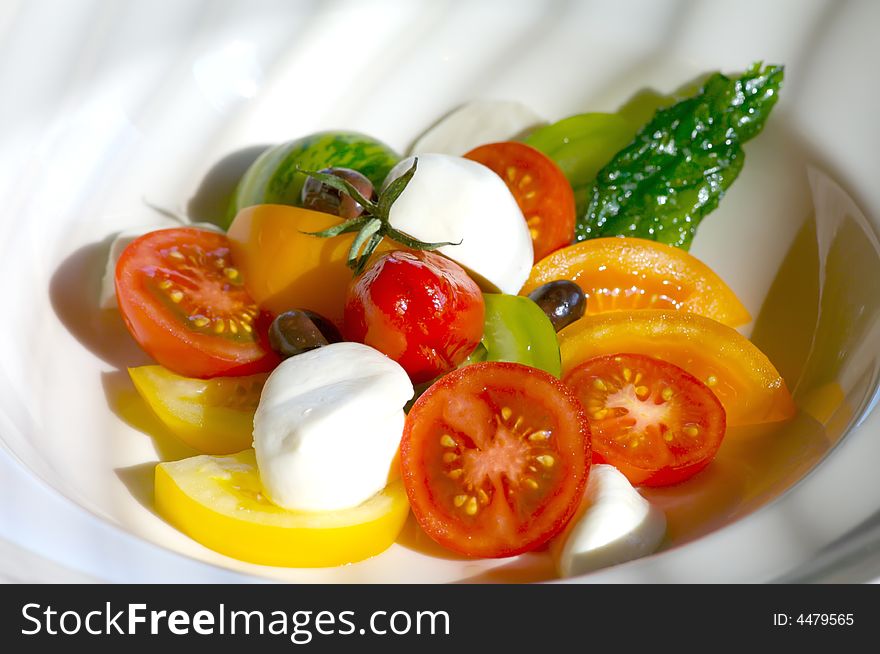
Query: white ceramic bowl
point(110, 105)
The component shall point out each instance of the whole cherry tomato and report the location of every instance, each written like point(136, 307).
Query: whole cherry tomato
point(419, 308)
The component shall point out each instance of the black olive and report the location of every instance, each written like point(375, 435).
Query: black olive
point(327, 328)
point(293, 332)
point(563, 302)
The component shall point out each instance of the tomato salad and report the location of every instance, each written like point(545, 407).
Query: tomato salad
point(507, 341)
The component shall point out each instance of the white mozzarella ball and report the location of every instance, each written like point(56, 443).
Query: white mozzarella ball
point(328, 427)
point(455, 200)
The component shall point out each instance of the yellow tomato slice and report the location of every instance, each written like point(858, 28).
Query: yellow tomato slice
point(748, 385)
point(633, 273)
point(218, 501)
point(285, 267)
point(214, 416)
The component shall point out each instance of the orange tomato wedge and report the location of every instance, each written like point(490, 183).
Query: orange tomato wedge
point(741, 376)
point(285, 267)
point(622, 273)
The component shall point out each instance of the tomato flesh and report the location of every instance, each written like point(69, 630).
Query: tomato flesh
point(540, 188)
point(214, 416)
point(750, 388)
point(219, 502)
point(623, 273)
point(656, 423)
point(419, 308)
point(495, 458)
point(183, 301)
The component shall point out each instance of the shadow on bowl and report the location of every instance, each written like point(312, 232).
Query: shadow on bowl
point(124, 401)
point(212, 199)
point(73, 292)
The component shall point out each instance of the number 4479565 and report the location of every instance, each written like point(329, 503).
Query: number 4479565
point(815, 619)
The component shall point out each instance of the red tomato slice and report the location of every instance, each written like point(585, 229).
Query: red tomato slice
point(495, 458)
point(655, 422)
point(540, 188)
point(185, 305)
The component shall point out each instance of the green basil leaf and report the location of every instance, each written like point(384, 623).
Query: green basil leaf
point(681, 163)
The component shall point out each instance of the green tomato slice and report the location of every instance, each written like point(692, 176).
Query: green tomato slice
point(517, 330)
point(581, 145)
